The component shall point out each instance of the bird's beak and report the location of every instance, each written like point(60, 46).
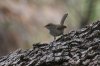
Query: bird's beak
point(45, 26)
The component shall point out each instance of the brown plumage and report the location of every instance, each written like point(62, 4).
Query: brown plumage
point(57, 30)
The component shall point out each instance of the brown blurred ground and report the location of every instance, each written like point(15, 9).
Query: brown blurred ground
point(22, 21)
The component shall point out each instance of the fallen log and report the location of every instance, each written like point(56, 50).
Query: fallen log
point(77, 48)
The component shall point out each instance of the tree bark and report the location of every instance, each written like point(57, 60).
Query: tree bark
point(77, 48)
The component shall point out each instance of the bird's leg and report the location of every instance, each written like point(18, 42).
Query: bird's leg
point(54, 38)
point(62, 36)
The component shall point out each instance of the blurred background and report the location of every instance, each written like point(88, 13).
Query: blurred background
point(22, 21)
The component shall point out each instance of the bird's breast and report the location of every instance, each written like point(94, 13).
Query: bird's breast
point(56, 32)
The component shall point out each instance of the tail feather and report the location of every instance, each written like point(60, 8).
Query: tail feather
point(63, 19)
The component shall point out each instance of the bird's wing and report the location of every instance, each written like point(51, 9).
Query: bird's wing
point(61, 27)
point(63, 19)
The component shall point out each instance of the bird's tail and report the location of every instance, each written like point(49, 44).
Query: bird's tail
point(63, 19)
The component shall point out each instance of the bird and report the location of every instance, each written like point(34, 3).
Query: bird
point(57, 29)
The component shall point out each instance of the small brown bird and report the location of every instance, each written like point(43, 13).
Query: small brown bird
point(57, 30)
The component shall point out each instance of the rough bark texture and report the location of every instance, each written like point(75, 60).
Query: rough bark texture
point(77, 48)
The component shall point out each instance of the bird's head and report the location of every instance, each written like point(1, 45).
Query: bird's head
point(49, 26)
